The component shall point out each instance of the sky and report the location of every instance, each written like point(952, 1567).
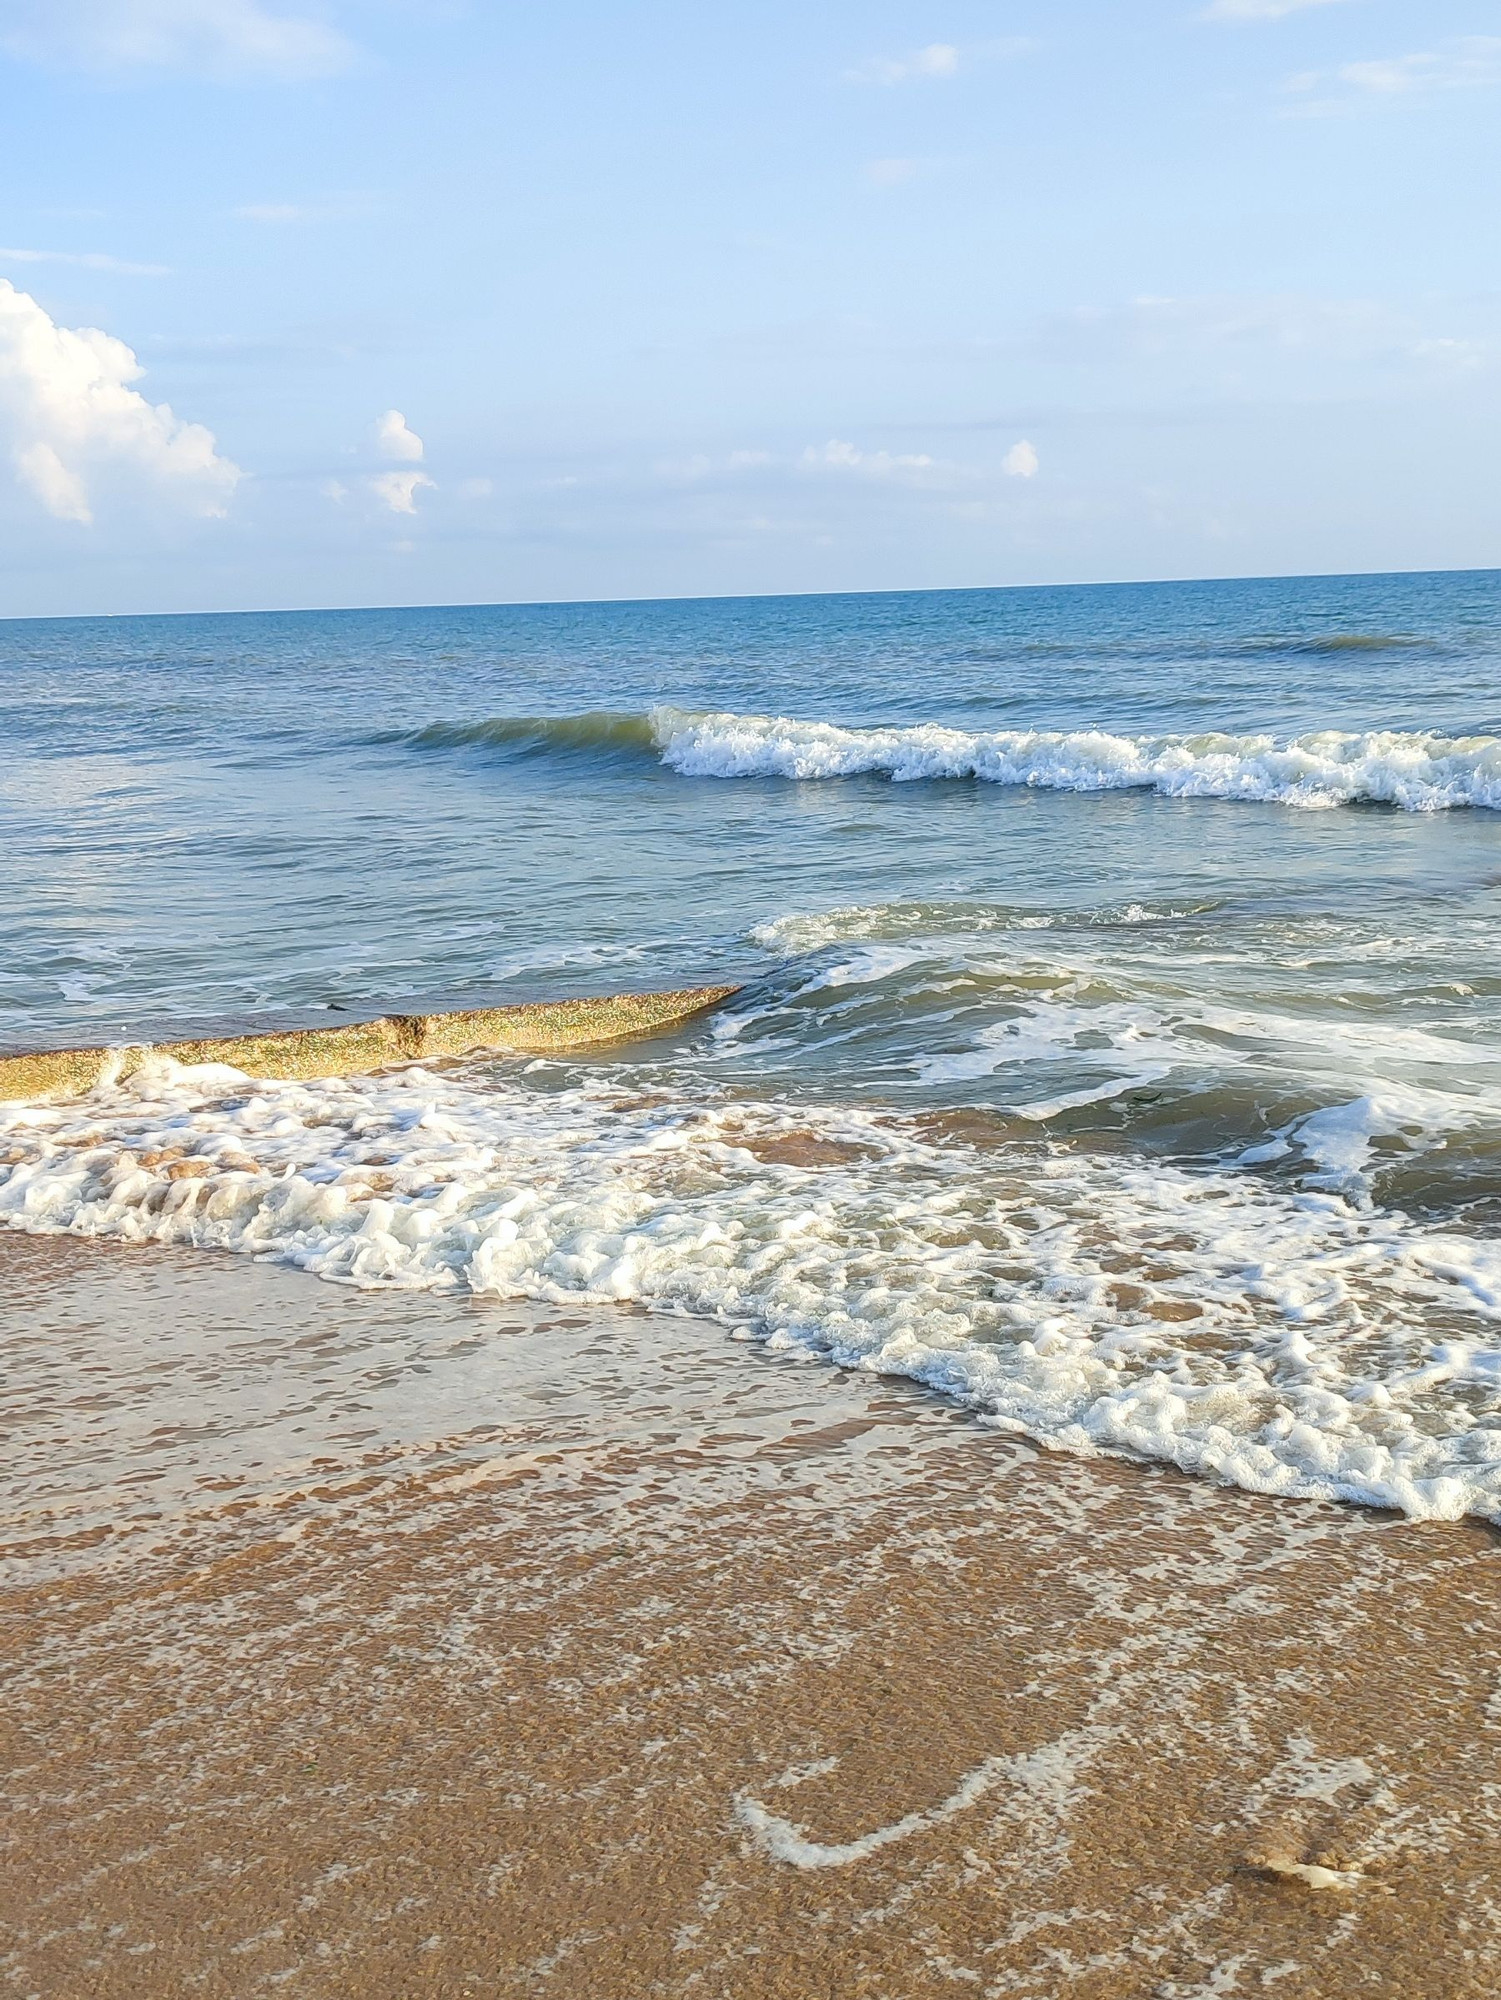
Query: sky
point(340, 302)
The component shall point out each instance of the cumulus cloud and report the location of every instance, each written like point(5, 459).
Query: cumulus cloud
point(938, 59)
point(60, 491)
point(220, 37)
point(399, 489)
point(87, 260)
point(396, 438)
point(1021, 462)
point(1259, 10)
point(69, 419)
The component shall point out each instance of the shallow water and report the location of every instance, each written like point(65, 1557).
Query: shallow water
point(1118, 1047)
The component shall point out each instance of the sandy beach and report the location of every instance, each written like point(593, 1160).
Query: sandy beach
point(693, 1670)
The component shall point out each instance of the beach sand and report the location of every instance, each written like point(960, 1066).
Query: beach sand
point(379, 1644)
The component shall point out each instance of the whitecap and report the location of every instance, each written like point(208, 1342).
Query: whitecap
point(1417, 771)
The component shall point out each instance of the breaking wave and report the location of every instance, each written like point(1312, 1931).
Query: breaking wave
point(1413, 770)
point(1416, 771)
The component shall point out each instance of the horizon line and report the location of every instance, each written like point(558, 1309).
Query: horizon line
point(745, 596)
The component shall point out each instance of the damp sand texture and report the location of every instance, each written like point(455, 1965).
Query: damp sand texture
point(671, 1668)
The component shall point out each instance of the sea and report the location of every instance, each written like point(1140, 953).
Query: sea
point(1117, 1048)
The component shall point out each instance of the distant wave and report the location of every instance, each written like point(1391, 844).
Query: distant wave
point(1163, 647)
point(1339, 642)
point(1414, 770)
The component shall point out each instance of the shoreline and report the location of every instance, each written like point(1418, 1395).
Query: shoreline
point(499, 1649)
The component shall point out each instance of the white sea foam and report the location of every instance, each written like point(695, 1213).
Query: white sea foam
point(1293, 1343)
point(804, 931)
point(1419, 771)
point(1103, 1009)
point(1339, 1139)
point(1134, 1044)
point(1049, 1778)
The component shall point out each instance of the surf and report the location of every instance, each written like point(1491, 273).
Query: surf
point(1290, 1342)
point(1411, 770)
point(1420, 771)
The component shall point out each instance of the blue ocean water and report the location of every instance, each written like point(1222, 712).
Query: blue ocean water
point(1118, 1044)
point(209, 817)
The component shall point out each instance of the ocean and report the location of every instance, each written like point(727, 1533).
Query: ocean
point(1117, 1050)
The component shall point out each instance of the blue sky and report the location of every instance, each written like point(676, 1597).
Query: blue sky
point(450, 300)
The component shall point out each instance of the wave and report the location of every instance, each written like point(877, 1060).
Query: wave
point(1168, 646)
point(1139, 1023)
point(1342, 642)
point(596, 730)
point(803, 931)
point(1413, 770)
point(1417, 771)
point(1289, 1342)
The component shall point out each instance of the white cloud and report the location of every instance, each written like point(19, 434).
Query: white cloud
point(938, 59)
point(396, 439)
point(838, 455)
point(891, 173)
point(1259, 10)
point(220, 37)
point(399, 489)
point(1021, 462)
point(1390, 77)
point(88, 260)
point(477, 489)
point(1466, 61)
point(60, 491)
point(335, 490)
point(69, 418)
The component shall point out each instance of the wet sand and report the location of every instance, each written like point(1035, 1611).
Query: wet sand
point(377, 1644)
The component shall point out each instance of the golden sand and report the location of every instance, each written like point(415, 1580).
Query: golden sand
point(644, 1663)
